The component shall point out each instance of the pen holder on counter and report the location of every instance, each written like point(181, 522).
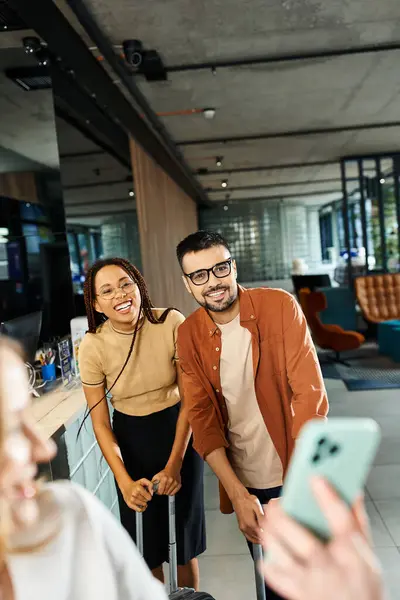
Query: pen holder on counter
point(49, 372)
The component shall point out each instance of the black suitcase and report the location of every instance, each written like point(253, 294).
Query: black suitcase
point(176, 593)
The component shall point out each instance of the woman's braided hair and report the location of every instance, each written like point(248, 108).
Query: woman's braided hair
point(96, 319)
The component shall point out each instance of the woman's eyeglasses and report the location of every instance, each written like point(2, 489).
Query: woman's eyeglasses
point(110, 293)
point(220, 270)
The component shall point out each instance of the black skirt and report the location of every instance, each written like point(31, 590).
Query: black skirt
point(146, 444)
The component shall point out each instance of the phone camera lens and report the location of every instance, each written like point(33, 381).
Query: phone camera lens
point(316, 458)
point(321, 442)
point(334, 449)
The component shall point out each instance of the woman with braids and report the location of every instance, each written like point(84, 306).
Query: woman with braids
point(129, 355)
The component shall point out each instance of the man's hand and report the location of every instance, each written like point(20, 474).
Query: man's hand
point(300, 567)
point(249, 514)
point(169, 481)
point(137, 494)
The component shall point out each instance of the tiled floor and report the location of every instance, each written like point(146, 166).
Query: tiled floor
point(226, 569)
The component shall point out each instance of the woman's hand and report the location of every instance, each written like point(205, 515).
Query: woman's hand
point(137, 494)
point(168, 480)
point(302, 568)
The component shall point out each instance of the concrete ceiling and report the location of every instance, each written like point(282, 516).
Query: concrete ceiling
point(286, 96)
point(26, 118)
point(262, 99)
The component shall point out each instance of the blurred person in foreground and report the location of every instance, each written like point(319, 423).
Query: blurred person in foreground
point(56, 540)
point(301, 567)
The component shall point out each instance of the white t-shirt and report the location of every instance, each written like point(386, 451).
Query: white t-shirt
point(252, 453)
point(91, 558)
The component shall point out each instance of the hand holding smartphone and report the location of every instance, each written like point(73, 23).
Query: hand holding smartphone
point(338, 450)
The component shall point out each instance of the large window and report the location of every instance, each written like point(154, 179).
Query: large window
point(253, 231)
point(371, 241)
point(325, 225)
point(85, 248)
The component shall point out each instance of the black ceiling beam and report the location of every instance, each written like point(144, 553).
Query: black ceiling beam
point(168, 154)
point(87, 132)
point(279, 58)
point(289, 134)
point(276, 185)
point(81, 186)
point(103, 214)
point(102, 201)
point(71, 155)
point(318, 163)
point(71, 99)
point(52, 26)
point(283, 196)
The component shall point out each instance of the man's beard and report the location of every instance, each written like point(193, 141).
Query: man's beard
point(219, 307)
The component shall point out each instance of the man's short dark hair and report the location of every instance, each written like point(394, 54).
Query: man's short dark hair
point(201, 240)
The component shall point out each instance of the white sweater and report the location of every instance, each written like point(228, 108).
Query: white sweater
point(91, 558)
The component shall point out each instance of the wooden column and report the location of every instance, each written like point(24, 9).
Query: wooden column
point(166, 215)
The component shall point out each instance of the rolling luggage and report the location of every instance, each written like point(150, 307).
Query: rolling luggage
point(176, 593)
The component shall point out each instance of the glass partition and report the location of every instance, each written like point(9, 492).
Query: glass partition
point(363, 227)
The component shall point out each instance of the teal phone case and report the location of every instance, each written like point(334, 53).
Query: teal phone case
point(340, 450)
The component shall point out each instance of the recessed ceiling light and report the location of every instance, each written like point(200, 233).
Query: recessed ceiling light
point(382, 180)
point(131, 193)
point(218, 161)
point(226, 207)
point(224, 183)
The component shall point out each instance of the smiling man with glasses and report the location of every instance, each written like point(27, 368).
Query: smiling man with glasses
point(251, 378)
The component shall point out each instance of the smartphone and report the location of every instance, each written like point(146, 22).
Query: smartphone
point(339, 450)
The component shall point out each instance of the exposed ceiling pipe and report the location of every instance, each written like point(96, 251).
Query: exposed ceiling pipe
point(262, 186)
point(281, 196)
point(318, 163)
point(279, 58)
point(288, 134)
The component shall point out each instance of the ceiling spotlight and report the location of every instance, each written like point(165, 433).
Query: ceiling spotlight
point(31, 44)
point(218, 161)
point(131, 193)
point(224, 183)
point(226, 207)
point(209, 113)
point(43, 57)
point(382, 180)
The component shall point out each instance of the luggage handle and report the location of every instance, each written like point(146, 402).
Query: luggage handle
point(258, 557)
point(172, 550)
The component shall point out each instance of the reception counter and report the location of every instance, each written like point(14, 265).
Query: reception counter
point(59, 414)
point(58, 408)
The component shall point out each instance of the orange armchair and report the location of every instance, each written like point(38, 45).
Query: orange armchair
point(379, 297)
point(327, 337)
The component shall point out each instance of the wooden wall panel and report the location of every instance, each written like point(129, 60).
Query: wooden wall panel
point(19, 186)
point(166, 215)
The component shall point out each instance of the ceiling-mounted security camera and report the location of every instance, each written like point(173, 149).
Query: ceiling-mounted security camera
point(209, 113)
point(133, 51)
point(144, 62)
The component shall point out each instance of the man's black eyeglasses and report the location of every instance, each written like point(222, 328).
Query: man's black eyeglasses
point(220, 270)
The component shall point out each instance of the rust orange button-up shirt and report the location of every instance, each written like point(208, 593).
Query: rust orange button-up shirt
point(288, 382)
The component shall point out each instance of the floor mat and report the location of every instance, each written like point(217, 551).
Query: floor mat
point(368, 370)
